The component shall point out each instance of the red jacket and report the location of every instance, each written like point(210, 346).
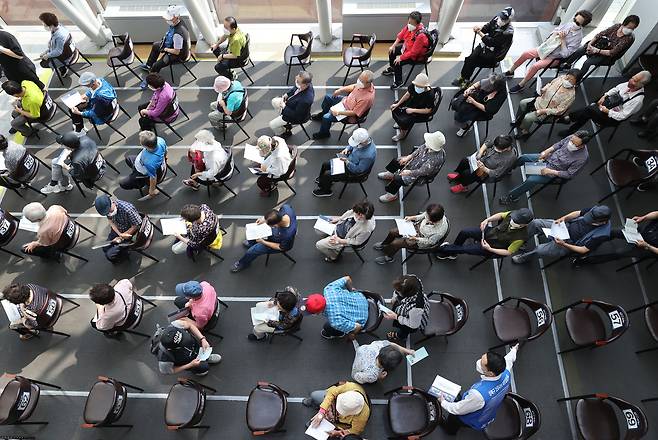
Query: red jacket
point(415, 43)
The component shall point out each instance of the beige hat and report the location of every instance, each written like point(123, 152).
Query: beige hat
point(349, 403)
point(435, 141)
point(421, 80)
point(264, 145)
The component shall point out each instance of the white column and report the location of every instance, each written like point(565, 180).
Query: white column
point(447, 18)
point(100, 35)
point(200, 14)
point(324, 20)
point(83, 7)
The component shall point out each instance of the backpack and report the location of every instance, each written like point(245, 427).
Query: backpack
point(159, 350)
point(430, 40)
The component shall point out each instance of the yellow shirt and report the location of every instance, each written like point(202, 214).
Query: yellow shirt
point(355, 424)
point(236, 42)
point(32, 99)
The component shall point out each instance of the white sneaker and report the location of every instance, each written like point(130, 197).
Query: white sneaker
point(61, 188)
point(387, 198)
point(462, 132)
point(385, 175)
point(49, 189)
point(214, 358)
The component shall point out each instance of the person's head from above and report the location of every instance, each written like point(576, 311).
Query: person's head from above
point(363, 211)
point(230, 25)
point(314, 304)
point(105, 206)
point(491, 364)
point(349, 403)
point(520, 218)
point(89, 79)
point(204, 141)
point(365, 80)
point(172, 15)
point(503, 142)
point(191, 213)
point(639, 80)
point(172, 337)
point(154, 81)
point(582, 18)
point(13, 88)
point(221, 84)
point(414, 19)
point(265, 145)
point(388, 358)
point(148, 140)
point(421, 83)
point(34, 212)
point(360, 138)
point(4, 143)
point(69, 140)
point(434, 213)
point(570, 78)
point(190, 289)
point(505, 16)
point(599, 215)
point(286, 300)
point(493, 83)
point(16, 293)
point(578, 140)
point(407, 285)
point(49, 20)
point(273, 217)
point(303, 80)
point(101, 294)
point(435, 141)
point(629, 24)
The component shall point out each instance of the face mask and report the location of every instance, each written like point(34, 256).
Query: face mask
point(567, 84)
point(170, 22)
point(112, 213)
point(419, 89)
point(626, 31)
point(226, 31)
point(500, 22)
point(48, 27)
point(478, 367)
point(298, 85)
point(514, 225)
point(571, 146)
point(151, 88)
point(411, 27)
point(359, 84)
point(576, 21)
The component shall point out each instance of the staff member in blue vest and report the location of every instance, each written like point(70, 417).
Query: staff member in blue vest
point(479, 405)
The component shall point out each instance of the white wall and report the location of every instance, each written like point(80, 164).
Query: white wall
point(647, 10)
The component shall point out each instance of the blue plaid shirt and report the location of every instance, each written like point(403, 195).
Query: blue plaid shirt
point(126, 216)
point(344, 308)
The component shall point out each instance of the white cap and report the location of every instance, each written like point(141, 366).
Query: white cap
point(172, 11)
point(359, 136)
point(350, 403)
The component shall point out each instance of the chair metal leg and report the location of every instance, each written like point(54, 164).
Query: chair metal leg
point(342, 131)
point(145, 254)
point(12, 253)
point(54, 332)
point(358, 254)
point(162, 191)
point(211, 252)
point(342, 191)
point(305, 132)
point(245, 72)
point(555, 261)
point(285, 254)
point(79, 188)
point(228, 188)
point(102, 190)
point(470, 193)
point(115, 130)
point(85, 228)
point(646, 350)
point(42, 162)
point(288, 76)
point(173, 130)
point(291, 188)
point(31, 188)
point(347, 73)
point(75, 256)
point(365, 193)
point(411, 254)
point(479, 263)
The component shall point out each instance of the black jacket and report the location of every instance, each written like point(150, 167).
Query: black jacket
point(498, 38)
point(298, 107)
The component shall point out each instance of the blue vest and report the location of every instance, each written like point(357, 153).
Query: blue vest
point(493, 392)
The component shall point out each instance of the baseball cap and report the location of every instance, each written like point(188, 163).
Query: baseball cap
point(87, 78)
point(171, 336)
point(598, 213)
point(171, 12)
point(506, 13)
point(522, 216)
point(315, 303)
point(190, 289)
point(359, 136)
point(103, 204)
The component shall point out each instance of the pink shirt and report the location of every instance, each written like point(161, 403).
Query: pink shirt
point(116, 312)
point(203, 308)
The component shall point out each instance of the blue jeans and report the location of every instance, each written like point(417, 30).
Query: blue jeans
point(255, 250)
point(328, 119)
point(530, 181)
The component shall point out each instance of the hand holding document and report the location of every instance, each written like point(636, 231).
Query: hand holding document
point(255, 170)
point(405, 228)
point(71, 99)
point(204, 353)
point(630, 231)
point(384, 309)
point(340, 107)
point(534, 168)
point(321, 432)
point(557, 230)
point(263, 314)
point(418, 356)
point(173, 226)
point(27, 225)
point(337, 167)
point(256, 231)
point(473, 162)
point(323, 225)
point(251, 153)
point(444, 388)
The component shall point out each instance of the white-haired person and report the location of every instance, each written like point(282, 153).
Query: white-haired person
point(346, 405)
point(276, 161)
point(97, 102)
point(208, 159)
point(52, 224)
point(230, 95)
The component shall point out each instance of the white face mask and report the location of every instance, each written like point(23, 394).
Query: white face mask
point(500, 22)
point(419, 89)
point(226, 31)
point(567, 84)
point(359, 84)
point(478, 367)
point(170, 22)
point(411, 27)
point(626, 31)
point(571, 146)
point(298, 85)
point(46, 27)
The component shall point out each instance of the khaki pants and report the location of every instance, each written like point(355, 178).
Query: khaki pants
point(277, 125)
point(328, 249)
point(261, 329)
point(216, 115)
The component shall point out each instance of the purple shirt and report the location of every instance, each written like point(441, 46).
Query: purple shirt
point(566, 163)
point(159, 103)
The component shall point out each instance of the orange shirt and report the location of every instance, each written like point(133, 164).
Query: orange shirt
point(360, 100)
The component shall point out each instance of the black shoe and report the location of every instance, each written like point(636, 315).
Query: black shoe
point(252, 337)
point(646, 134)
point(317, 180)
point(388, 72)
point(286, 134)
point(516, 89)
point(396, 85)
point(322, 193)
point(458, 82)
point(13, 130)
point(320, 135)
point(317, 116)
point(638, 121)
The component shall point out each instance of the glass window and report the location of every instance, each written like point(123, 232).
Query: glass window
point(291, 11)
point(525, 10)
point(26, 12)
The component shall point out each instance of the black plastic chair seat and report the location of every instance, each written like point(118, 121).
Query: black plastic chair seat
point(441, 319)
point(511, 323)
point(597, 420)
point(11, 396)
point(623, 172)
point(293, 51)
point(585, 326)
point(182, 405)
point(507, 424)
point(651, 318)
point(264, 410)
point(408, 414)
point(373, 316)
point(113, 57)
point(355, 52)
point(99, 402)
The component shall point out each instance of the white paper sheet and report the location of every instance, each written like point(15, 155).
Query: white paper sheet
point(3, 167)
point(255, 231)
point(27, 225)
point(384, 309)
point(324, 226)
point(340, 107)
point(418, 356)
point(405, 228)
point(337, 167)
point(71, 99)
point(534, 168)
point(473, 162)
point(557, 230)
point(321, 432)
point(255, 170)
point(264, 314)
point(442, 386)
point(251, 153)
point(11, 310)
point(204, 354)
point(630, 231)
point(173, 226)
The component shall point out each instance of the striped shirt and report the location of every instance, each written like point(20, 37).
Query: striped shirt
point(345, 308)
point(126, 216)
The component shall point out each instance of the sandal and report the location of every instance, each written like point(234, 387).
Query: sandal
point(392, 336)
point(191, 183)
point(27, 336)
point(329, 260)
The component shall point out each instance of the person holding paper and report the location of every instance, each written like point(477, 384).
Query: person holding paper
point(294, 107)
point(345, 308)
point(431, 227)
point(563, 160)
point(14, 63)
point(59, 36)
point(208, 159)
point(414, 106)
point(374, 361)
point(75, 160)
point(177, 348)
point(31, 300)
point(346, 405)
point(230, 95)
point(98, 103)
point(289, 314)
point(12, 153)
point(359, 100)
point(410, 45)
point(478, 407)
point(425, 161)
point(284, 229)
point(113, 304)
point(276, 163)
point(26, 108)
point(200, 298)
point(202, 230)
point(52, 223)
point(494, 159)
point(410, 308)
point(588, 229)
point(359, 157)
point(147, 165)
point(352, 229)
point(161, 107)
point(125, 222)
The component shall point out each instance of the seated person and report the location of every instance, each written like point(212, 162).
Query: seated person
point(75, 159)
point(286, 303)
point(52, 224)
point(202, 230)
point(563, 40)
point(564, 159)
point(411, 308)
point(555, 99)
point(359, 157)
point(208, 159)
point(410, 45)
point(648, 120)
point(374, 361)
point(146, 166)
point(494, 159)
point(161, 106)
point(360, 98)
point(431, 226)
point(490, 239)
point(425, 161)
point(177, 346)
point(496, 37)
point(30, 299)
point(479, 102)
point(14, 63)
point(230, 95)
point(28, 106)
point(294, 106)
point(125, 221)
point(415, 106)
point(12, 153)
point(353, 228)
point(616, 105)
point(607, 46)
point(200, 298)
point(345, 405)
point(284, 228)
point(112, 305)
point(588, 229)
point(173, 48)
point(97, 102)
point(277, 161)
point(618, 247)
point(227, 57)
point(59, 35)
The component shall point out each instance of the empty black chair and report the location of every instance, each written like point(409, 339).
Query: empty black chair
point(433, 38)
point(651, 321)
point(638, 167)
point(224, 175)
point(186, 404)
point(298, 55)
point(95, 172)
point(70, 56)
point(267, 407)
point(447, 316)
point(238, 116)
point(122, 55)
point(8, 230)
point(117, 109)
point(175, 106)
point(526, 320)
point(348, 178)
point(411, 252)
point(412, 413)
point(375, 315)
point(26, 172)
point(596, 417)
point(647, 59)
point(352, 121)
point(18, 400)
point(106, 402)
point(358, 56)
point(516, 419)
point(356, 248)
point(134, 316)
point(183, 62)
point(290, 173)
point(426, 180)
point(47, 114)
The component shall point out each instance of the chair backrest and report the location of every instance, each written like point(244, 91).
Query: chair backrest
point(541, 312)
point(227, 171)
point(15, 400)
point(267, 404)
point(214, 319)
point(308, 39)
point(119, 400)
point(27, 168)
point(50, 312)
point(375, 315)
point(459, 309)
point(144, 235)
point(8, 227)
point(116, 110)
point(127, 55)
point(433, 38)
point(199, 404)
point(617, 317)
point(636, 421)
point(521, 419)
point(48, 108)
point(293, 164)
point(241, 112)
point(363, 245)
point(438, 97)
point(68, 50)
point(133, 314)
point(371, 40)
point(96, 169)
point(243, 59)
point(69, 237)
point(432, 406)
point(161, 174)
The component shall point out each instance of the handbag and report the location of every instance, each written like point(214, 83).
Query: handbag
point(603, 43)
point(547, 47)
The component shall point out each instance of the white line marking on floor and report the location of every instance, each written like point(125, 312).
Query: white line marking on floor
point(221, 216)
point(186, 147)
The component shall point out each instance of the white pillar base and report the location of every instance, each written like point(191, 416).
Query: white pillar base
point(335, 47)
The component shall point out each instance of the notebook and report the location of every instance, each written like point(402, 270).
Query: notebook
point(322, 430)
point(251, 153)
point(444, 388)
point(534, 168)
point(473, 162)
point(341, 108)
point(405, 228)
point(71, 99)
point(323, 225)
point(263, 314)
point(418, 356)
point(337, 167)
point(256, 231)
point(557, 230)
point(630, 231)
point(173, 226)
